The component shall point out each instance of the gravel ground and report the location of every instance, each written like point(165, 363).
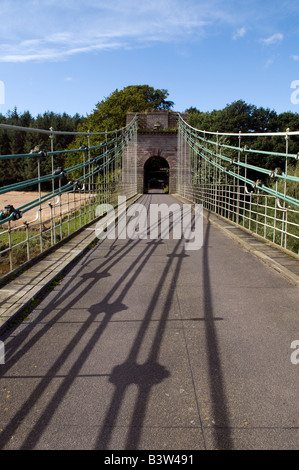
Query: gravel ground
point(19, 198)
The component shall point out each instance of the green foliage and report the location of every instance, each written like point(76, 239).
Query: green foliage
point(292, 187)
point(240, 116)
point(110, 113)
point(235, 117)
point(20, 142)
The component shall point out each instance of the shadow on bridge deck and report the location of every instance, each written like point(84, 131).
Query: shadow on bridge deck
point(146, 346)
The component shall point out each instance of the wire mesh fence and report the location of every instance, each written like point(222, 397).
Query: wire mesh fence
point(222, 171)
point(226, 180)
point(42, 211)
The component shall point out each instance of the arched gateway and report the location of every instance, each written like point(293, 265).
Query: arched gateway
point(156, 149)
point(156, 175)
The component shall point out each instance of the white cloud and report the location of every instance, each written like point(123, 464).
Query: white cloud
point(295, 58)
point(19, 53)
point(57, 29)
point(274, 39)
point(240, 33)
point(52, 30)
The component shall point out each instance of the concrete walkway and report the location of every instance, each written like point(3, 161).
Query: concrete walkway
point(144, 345)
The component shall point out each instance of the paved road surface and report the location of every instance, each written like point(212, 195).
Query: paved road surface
point(146, 346)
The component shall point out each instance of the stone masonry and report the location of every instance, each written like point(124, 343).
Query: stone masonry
point(156, 137)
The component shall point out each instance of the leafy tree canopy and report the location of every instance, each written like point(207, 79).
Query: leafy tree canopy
point(110, 113)
point(235, 117)
point(240, 116)
point(20, 142)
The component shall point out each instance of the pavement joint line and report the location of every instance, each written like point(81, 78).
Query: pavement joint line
point(11, 307)
point(251, 247)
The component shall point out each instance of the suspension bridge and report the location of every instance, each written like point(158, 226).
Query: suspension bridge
point(128, 343)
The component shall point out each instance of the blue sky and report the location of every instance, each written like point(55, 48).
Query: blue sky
point(65, 56)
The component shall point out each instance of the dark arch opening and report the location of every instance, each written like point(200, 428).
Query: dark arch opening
point(156, 175)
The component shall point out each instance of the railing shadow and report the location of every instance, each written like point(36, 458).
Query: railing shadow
point(221, 430)
point(72, 295)
point(146, 375)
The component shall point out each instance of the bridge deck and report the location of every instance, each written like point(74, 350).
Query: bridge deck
point(146, 346)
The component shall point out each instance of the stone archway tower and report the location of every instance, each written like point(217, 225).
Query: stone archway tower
point(157, 136)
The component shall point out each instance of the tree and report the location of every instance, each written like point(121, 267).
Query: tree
point(110, 113)
point(20, 142)
point(240, 116)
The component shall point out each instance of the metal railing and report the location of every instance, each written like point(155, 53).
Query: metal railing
point(57, 204)
point(215, 173)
